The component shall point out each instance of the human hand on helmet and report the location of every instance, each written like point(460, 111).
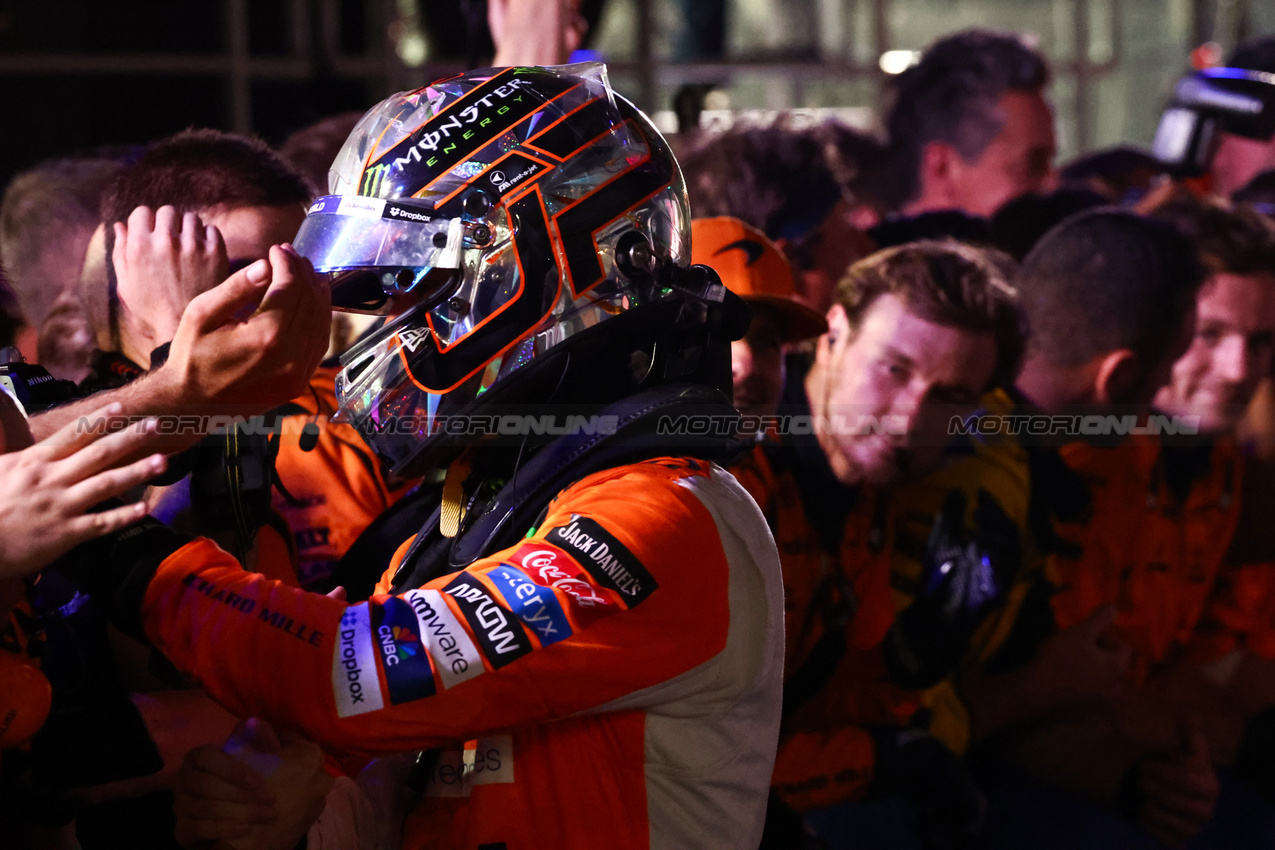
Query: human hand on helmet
point(162, 261)
point(253, 341)
point(546, 33)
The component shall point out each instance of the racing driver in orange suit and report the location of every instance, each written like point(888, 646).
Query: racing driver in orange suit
point(585, 641)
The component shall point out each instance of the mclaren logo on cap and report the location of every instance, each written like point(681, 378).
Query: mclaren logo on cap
point(751, 247)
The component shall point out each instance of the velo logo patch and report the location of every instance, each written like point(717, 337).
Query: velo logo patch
point(354, 681)
point(455, 656)
point(535, 605)
point(408, 675)
point(605, 558)
point(502, 639)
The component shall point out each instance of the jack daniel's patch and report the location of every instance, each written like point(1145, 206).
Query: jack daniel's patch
point(606, 559)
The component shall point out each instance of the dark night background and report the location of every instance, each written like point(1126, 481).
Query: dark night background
point(53, 103)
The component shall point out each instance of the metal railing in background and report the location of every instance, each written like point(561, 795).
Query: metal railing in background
point(870, 29)
point(314, 37)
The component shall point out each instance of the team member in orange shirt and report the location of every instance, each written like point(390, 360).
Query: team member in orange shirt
point(1159, 548)
point(753, 267)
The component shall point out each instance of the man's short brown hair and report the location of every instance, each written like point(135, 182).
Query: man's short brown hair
point(947, 283)
point(197, 171)
point(1231, 239)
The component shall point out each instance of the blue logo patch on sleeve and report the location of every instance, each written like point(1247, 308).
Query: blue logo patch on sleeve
point(408, 673)
point(534, 604)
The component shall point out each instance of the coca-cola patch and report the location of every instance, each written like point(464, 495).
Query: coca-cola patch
point(551, 567)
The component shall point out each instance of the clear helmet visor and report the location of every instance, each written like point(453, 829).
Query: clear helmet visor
point(381, 256)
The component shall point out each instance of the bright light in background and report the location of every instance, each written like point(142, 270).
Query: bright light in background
point(413, 50)
point(898, 61)
point(406, 33)
point(717, 99)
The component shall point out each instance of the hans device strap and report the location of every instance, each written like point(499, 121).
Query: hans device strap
point(520, 503)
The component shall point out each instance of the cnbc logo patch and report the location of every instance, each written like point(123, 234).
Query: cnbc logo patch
point(408, 673)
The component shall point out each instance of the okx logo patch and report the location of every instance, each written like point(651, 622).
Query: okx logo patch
point(408, 674)
point(536, 606)
point(497, 632)
point(606, 559)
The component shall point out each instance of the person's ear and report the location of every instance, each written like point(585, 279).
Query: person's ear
point(817, 377)
point(939, 161)
point(1117, 378)
point(838, 324)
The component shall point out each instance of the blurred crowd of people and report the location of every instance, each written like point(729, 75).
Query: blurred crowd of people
point(1010, 426)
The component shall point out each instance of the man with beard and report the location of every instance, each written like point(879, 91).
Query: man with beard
point(916, 330)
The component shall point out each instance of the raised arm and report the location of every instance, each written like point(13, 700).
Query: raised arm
point(241, 348)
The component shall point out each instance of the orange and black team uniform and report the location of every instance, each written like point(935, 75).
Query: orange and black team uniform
point(1136, 523)
point(333, 485)
point(843, 713)
point(618, 669)
point(1163, 520)
point(835, 551)
point(860, 610)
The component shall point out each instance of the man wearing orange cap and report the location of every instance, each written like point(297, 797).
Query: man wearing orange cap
point(753, 268)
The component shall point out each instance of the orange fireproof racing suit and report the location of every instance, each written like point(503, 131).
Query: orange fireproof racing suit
point(613, 678)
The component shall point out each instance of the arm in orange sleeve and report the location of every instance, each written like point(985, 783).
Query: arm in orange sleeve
point(624, 587)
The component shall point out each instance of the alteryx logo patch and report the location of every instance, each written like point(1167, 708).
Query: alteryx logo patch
point(354, 682)
point(606, 559)
point(536, 606)
point(408, 674)
point(498, 633)
point(455, 657)
point(548, 566)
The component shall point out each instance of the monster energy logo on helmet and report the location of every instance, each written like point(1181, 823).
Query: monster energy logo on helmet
point(374, 180)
